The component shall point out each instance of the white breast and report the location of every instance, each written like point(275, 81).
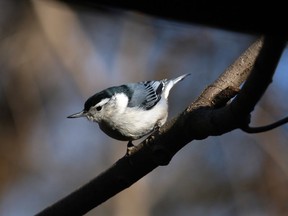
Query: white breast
point(136, 122)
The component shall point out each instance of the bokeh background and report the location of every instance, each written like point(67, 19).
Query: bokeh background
point(54, 56)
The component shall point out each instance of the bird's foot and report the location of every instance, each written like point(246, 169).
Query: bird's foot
point(156, 127)
point(130, 148)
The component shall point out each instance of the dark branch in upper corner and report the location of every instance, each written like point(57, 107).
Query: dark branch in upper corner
point(195, 12)
point(208, 115)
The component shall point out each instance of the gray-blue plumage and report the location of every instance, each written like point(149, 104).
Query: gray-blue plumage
point(145, 94)
point(142, 94)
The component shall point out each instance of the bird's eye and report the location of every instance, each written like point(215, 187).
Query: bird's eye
point(98, 108)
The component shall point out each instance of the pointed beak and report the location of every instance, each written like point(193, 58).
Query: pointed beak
point(78, 115)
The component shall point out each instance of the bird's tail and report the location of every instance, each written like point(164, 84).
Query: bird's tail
point(168, 84)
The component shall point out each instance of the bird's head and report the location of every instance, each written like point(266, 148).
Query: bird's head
point(95, 108)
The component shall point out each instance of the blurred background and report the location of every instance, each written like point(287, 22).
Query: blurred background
point(53, 57)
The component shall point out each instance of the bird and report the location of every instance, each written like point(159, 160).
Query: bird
point(130, 111)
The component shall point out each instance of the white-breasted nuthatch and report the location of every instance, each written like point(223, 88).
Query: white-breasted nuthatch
point(130, 111)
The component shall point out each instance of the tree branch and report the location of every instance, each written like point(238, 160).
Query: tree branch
point(208, 115)
point(262, 75)
point(237, 114)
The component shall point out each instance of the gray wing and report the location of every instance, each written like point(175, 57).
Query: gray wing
point(145, 94)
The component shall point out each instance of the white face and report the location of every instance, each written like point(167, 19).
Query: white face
point(108, 108)
point(95, 113)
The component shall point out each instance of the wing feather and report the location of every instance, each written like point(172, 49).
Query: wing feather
point(146, 94)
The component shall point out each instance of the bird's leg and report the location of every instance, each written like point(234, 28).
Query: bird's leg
point(157, 126)
point(130, 147)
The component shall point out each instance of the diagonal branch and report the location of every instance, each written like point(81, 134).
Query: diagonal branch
point(261, 76)
point(208, 115)
point(237, 114)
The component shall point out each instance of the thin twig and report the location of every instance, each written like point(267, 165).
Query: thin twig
point(265, 128)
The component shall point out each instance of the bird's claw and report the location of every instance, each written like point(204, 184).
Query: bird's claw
point(130, 148)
